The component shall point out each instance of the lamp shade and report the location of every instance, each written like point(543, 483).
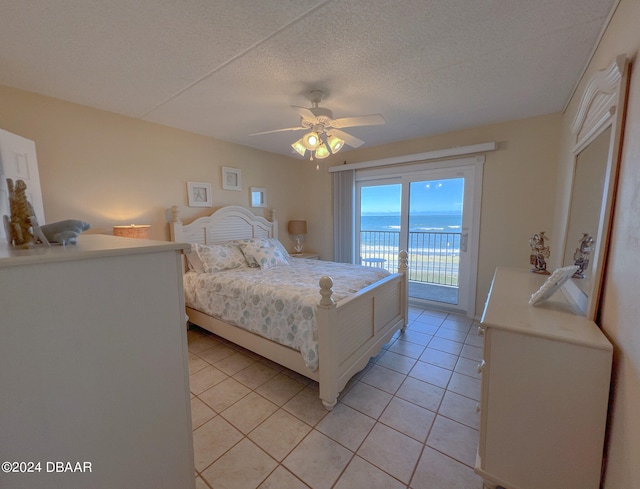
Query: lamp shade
point(299, 147)
point(297, 227)
point(322, 152)
point(335, 143)
point(311, 140)
point(140, 231)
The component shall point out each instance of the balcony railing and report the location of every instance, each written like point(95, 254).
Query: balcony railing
point(433, 257)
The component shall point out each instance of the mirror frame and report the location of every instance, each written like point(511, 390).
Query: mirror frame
point(603, 105)
point(261, 194)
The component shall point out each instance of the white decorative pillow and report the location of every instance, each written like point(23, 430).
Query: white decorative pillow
point(279, 246)
point(247, 246)
point(263, 253)
point(193, 260)
point(216, 258)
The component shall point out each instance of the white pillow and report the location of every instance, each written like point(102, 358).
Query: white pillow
point(193, 260)
point(278, 245)
point(219, 257)
point(263, 253)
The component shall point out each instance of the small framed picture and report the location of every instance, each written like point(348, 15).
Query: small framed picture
point(199, 194)
point(553, 283)
point(258, 196)
point(231, 178)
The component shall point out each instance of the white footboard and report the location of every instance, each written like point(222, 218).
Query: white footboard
point(354, 330)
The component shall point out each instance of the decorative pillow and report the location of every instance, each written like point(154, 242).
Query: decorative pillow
point(274, 242)
point(193, 260)
point(249, 244)
point(216, 258)
point(263, 253)
point(64, 232)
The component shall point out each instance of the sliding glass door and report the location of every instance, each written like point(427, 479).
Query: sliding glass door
point(435, 233)
point(430, 213)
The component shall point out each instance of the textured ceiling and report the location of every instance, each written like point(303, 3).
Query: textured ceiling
point(229, 68)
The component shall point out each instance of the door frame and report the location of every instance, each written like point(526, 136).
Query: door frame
point(400, 173)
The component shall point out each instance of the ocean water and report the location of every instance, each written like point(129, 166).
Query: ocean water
point(418, 224)
point(438, 223)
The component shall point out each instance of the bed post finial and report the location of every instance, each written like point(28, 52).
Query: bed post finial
point(175, 214)
point(325, 291)
point(404, 260)
point(274, 223)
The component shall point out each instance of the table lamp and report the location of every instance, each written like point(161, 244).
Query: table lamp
point(297, 229)
point(140, 231)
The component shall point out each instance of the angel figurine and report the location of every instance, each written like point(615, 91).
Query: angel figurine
point(581, 256)
point(538, 253)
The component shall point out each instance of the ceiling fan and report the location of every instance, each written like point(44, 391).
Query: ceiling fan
point(325, 136)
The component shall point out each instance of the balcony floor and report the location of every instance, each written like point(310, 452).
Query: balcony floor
point(433, 292)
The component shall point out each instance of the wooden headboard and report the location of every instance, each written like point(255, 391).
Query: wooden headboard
point(225, 224)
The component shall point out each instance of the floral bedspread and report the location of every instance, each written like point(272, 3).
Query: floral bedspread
point(278, 303)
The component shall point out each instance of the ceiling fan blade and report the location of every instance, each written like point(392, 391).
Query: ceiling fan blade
point(305, 113)
point(363, 120)
point(278, 130)
point(352, 141)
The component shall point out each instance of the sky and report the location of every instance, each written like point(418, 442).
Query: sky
point(426, 196)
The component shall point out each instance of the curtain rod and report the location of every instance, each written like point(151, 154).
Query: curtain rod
point(429, 155)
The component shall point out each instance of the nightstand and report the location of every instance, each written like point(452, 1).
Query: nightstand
point(309, 255)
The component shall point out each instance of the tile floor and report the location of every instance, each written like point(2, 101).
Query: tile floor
point(408, 420)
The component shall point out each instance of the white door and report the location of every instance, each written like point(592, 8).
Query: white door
point(18, 161)
point(440, 231)
point(433, 212)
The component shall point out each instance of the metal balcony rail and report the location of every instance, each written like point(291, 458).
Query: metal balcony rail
point(433, 256)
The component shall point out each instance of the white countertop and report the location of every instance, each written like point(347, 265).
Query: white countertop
point(88, 246)
point(508, 308)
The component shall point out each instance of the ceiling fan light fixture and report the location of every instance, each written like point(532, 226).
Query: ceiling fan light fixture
point(311, 140)
point(322, 128)
point(322, 152)
point(335, 143)
point(298, 146)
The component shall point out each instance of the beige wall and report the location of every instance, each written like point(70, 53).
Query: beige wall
point(109, 169)
point(620, 311)
point(518, 188)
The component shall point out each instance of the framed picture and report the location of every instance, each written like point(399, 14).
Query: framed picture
point(199, 194)
point(258, 196)
point(553, 283)
point(231, 178)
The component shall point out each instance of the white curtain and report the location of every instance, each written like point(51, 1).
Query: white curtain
point(343, 215)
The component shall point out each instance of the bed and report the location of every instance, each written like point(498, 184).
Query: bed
point(349, 329)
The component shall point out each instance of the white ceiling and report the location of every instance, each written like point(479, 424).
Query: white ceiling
point(229, 68)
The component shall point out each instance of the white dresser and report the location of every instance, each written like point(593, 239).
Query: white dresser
point(545, 390)
point(94, 366)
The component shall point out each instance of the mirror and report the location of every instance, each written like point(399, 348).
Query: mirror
point(597, 126)
point(258, 197)
point(585, 206)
